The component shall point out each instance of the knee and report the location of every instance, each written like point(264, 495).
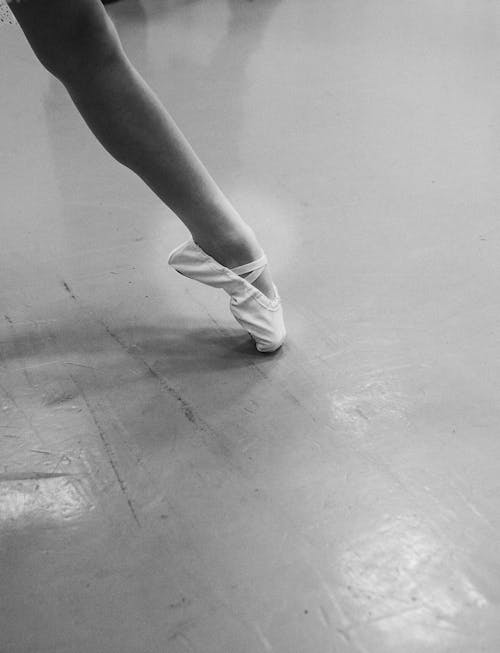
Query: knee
point(82, 50)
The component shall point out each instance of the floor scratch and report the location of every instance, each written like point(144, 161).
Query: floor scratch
point(31, 476)
point(68, 290)
point(165, 386)
point(109, 452)
point(266, 643)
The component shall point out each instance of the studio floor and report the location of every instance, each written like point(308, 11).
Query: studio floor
point(165, 488)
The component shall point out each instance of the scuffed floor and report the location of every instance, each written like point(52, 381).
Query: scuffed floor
point(163, 487)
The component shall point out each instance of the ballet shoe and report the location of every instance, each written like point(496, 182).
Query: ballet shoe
point(259, 315)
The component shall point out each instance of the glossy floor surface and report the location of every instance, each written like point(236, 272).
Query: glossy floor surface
point(164, 488)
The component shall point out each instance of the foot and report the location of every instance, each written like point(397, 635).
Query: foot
point(260, 316)
point(236, 250)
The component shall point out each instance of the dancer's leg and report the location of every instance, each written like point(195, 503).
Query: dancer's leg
point(77, 42)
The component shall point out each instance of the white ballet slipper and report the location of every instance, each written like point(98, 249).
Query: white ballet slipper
point(261, 316)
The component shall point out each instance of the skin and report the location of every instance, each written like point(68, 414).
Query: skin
point(76, 41)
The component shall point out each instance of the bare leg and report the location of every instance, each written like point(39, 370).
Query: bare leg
point(77, 42)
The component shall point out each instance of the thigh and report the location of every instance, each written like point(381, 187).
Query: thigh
point(66, 33)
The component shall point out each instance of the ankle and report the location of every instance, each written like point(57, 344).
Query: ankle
point(231, 248)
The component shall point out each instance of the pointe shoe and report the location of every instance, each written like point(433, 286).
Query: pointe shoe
point(261, 316)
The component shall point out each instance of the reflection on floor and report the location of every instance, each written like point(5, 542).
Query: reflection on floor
point(164, 488)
